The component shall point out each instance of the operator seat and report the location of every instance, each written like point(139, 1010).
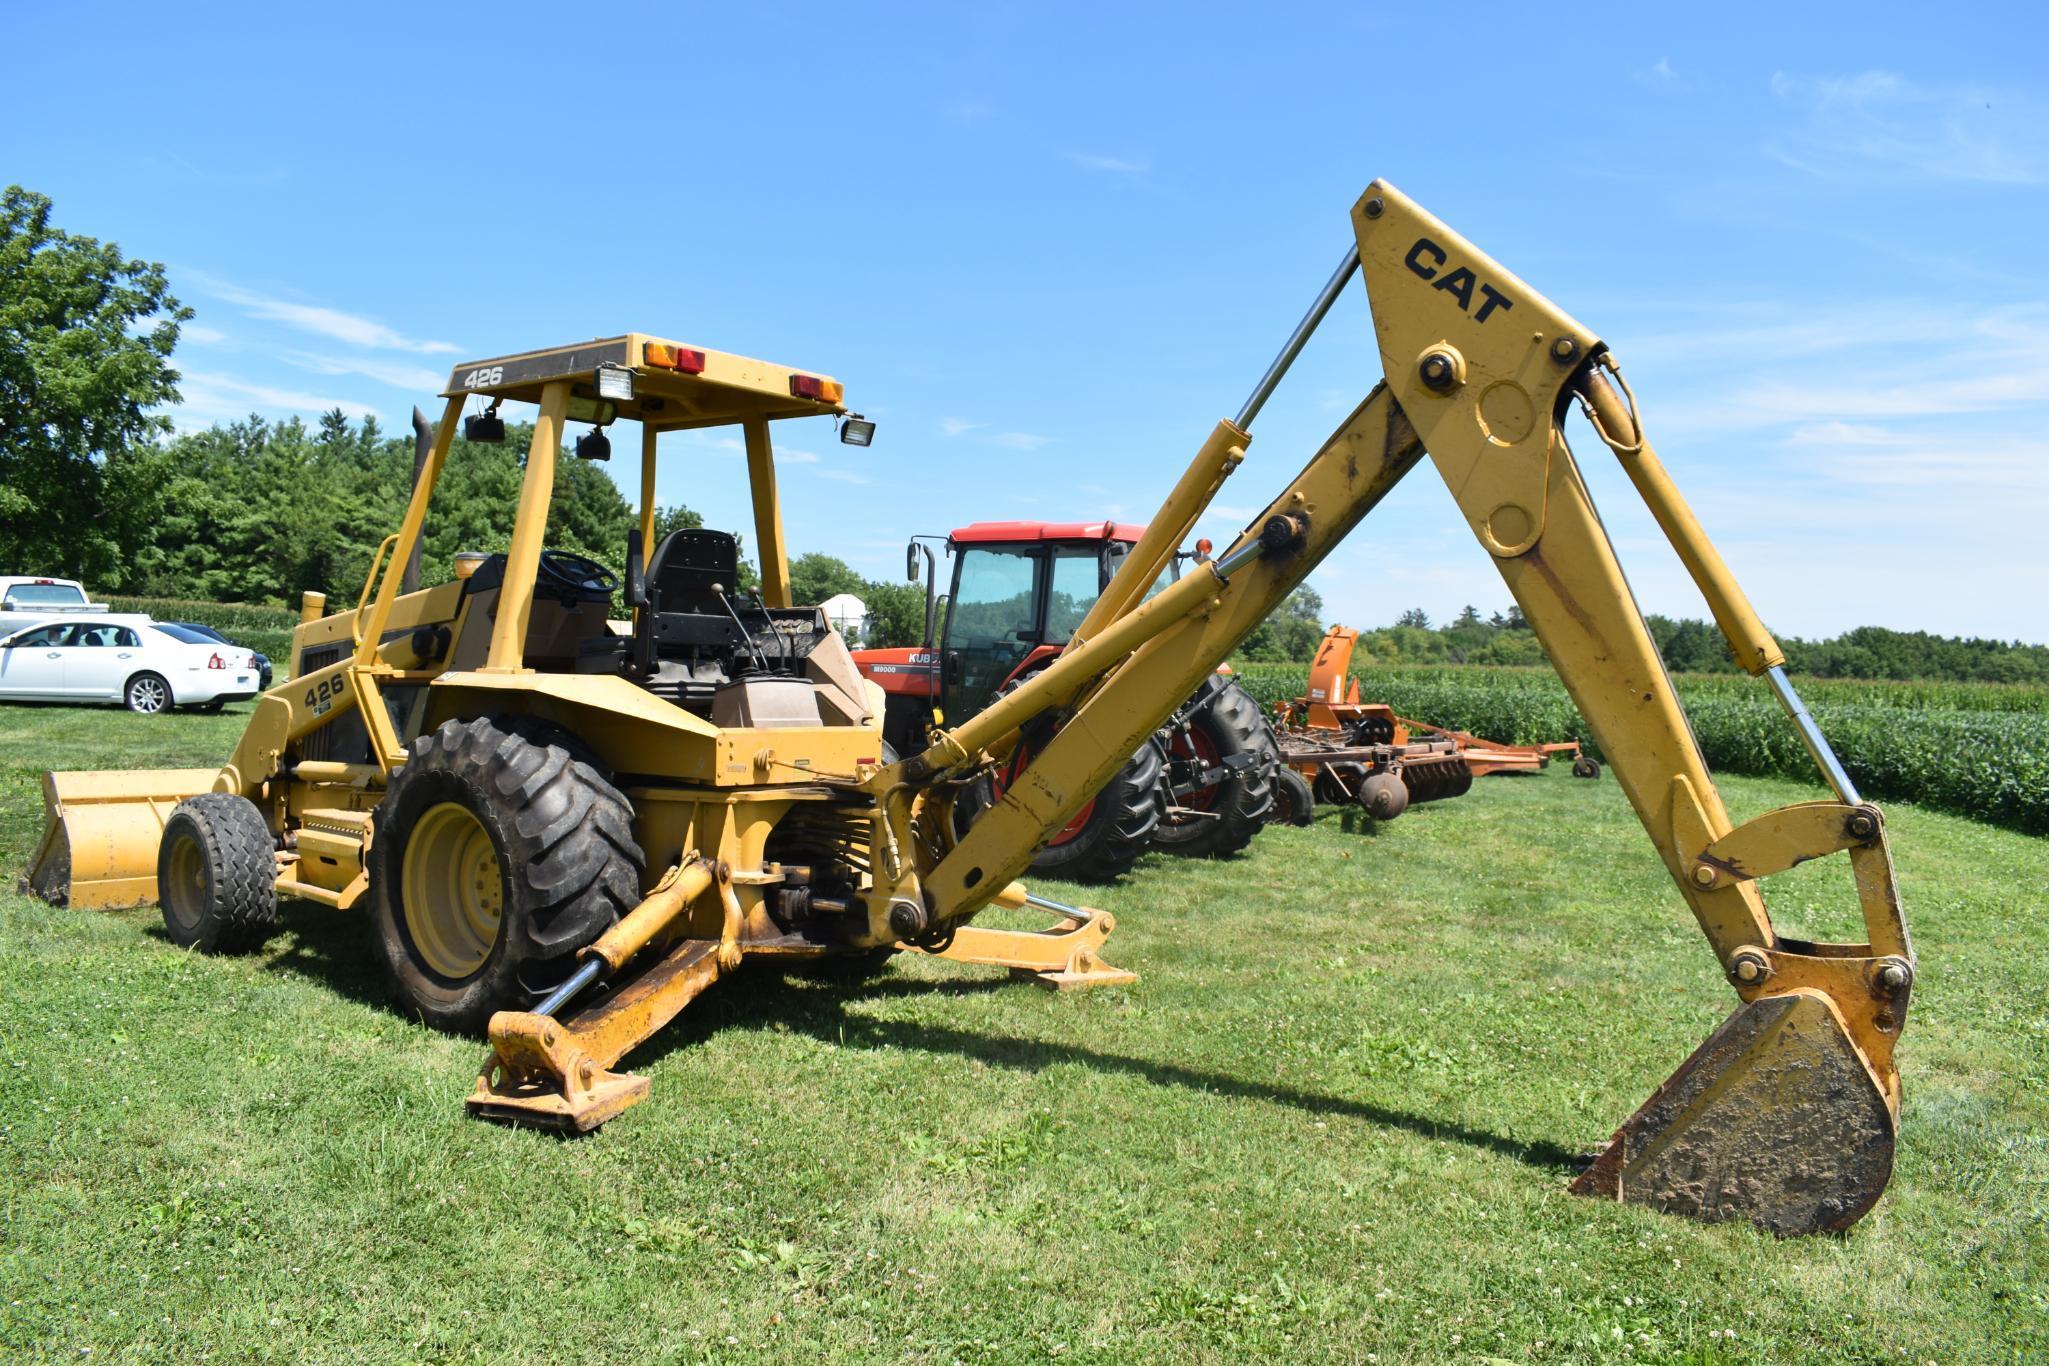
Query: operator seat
point(688, 566)
point(679, 616)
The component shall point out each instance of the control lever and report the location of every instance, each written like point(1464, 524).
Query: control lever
point(746, 636)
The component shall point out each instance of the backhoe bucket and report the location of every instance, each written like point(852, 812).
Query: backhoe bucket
point(101, 832)
point(1778, 1118)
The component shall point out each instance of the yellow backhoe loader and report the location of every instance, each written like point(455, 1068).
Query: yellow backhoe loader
point(566, 830)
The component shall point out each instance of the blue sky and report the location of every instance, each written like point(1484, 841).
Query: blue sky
point(1047, 246)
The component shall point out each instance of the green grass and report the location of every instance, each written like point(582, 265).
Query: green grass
point(1333, 1120)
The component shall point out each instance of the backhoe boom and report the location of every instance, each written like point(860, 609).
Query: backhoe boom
point(1787, 1115)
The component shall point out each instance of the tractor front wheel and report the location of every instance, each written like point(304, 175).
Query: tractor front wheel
point(217, 874)
point(500, 851)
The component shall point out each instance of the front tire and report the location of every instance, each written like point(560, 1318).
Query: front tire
point(147, 693)
point(217, 875)
point(500, 851)
point(1223, 725)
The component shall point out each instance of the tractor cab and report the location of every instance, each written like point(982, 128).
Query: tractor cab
point(1017, 592)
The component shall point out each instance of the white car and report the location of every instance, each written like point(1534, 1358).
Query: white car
point(147, 666)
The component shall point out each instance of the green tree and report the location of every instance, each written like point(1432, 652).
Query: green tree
point(816, 577)
point(1291, 632)
point(85, 345)
point(896, 614)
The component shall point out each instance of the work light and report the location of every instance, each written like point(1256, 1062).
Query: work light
point(486, 427)
point(857, 431)
point(615, 382)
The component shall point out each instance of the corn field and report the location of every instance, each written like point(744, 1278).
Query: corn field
point(1978, 749)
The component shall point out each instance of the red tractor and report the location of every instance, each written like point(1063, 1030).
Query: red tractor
point(1204, 783)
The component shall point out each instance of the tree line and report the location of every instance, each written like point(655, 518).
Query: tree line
point(1689, 645)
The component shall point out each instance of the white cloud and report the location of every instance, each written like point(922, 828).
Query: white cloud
point(785, 456)
point(398, 374)
point(1119, 165)
point(199, 334)
point(209, 397)
point(954, 426)
point(1874, 125)
point(352, 328)
point(1019, 441)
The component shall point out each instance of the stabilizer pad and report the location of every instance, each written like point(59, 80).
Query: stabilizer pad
point(1776, 1119)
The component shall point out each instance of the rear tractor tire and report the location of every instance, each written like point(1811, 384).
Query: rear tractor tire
point(1224, 723)
point(1106, 836)
point(217, 875)
point(501, 849)
point(1119, 825)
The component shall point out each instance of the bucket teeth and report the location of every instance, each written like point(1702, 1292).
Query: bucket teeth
point(1777, 1118)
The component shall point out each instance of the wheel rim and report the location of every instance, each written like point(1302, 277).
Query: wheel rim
point(185, 891)
point(1195, 748)
point(1284, 803)
point(453, 891)
point(146, 694)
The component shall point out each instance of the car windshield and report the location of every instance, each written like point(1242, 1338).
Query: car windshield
point(185, 633)
point(45, 595)
point(199, 629)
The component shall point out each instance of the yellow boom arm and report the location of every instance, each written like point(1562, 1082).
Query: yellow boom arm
point(1787, 1115)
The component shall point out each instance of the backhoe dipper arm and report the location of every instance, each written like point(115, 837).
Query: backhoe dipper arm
point(1787, 1114)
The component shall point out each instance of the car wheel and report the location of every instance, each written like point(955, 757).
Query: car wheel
point(148, 694)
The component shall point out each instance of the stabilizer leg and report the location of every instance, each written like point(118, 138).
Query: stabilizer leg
point(1062, 957)
point(555, 1074)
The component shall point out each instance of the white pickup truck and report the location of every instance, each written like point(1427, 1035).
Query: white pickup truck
point(26, 600)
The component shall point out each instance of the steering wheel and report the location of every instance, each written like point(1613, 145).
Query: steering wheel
point(575, 574)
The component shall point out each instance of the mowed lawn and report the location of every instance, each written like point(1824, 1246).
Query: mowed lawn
point(1333, 1120)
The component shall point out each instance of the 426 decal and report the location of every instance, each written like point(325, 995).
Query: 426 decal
point(321, 699)
point(482, 376)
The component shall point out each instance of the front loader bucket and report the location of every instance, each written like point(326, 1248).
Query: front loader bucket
point(101, 832)
point(1777, 1118)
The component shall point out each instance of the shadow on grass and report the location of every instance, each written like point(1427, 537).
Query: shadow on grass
point(331, 948)
point(750, 1001)
point(326, 947)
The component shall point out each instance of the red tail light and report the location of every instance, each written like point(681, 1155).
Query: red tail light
point(216, 662)
point(665, 357)
point(819, 390)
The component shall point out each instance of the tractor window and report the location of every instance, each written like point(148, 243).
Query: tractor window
point(1075, 589)
point(992, 624)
